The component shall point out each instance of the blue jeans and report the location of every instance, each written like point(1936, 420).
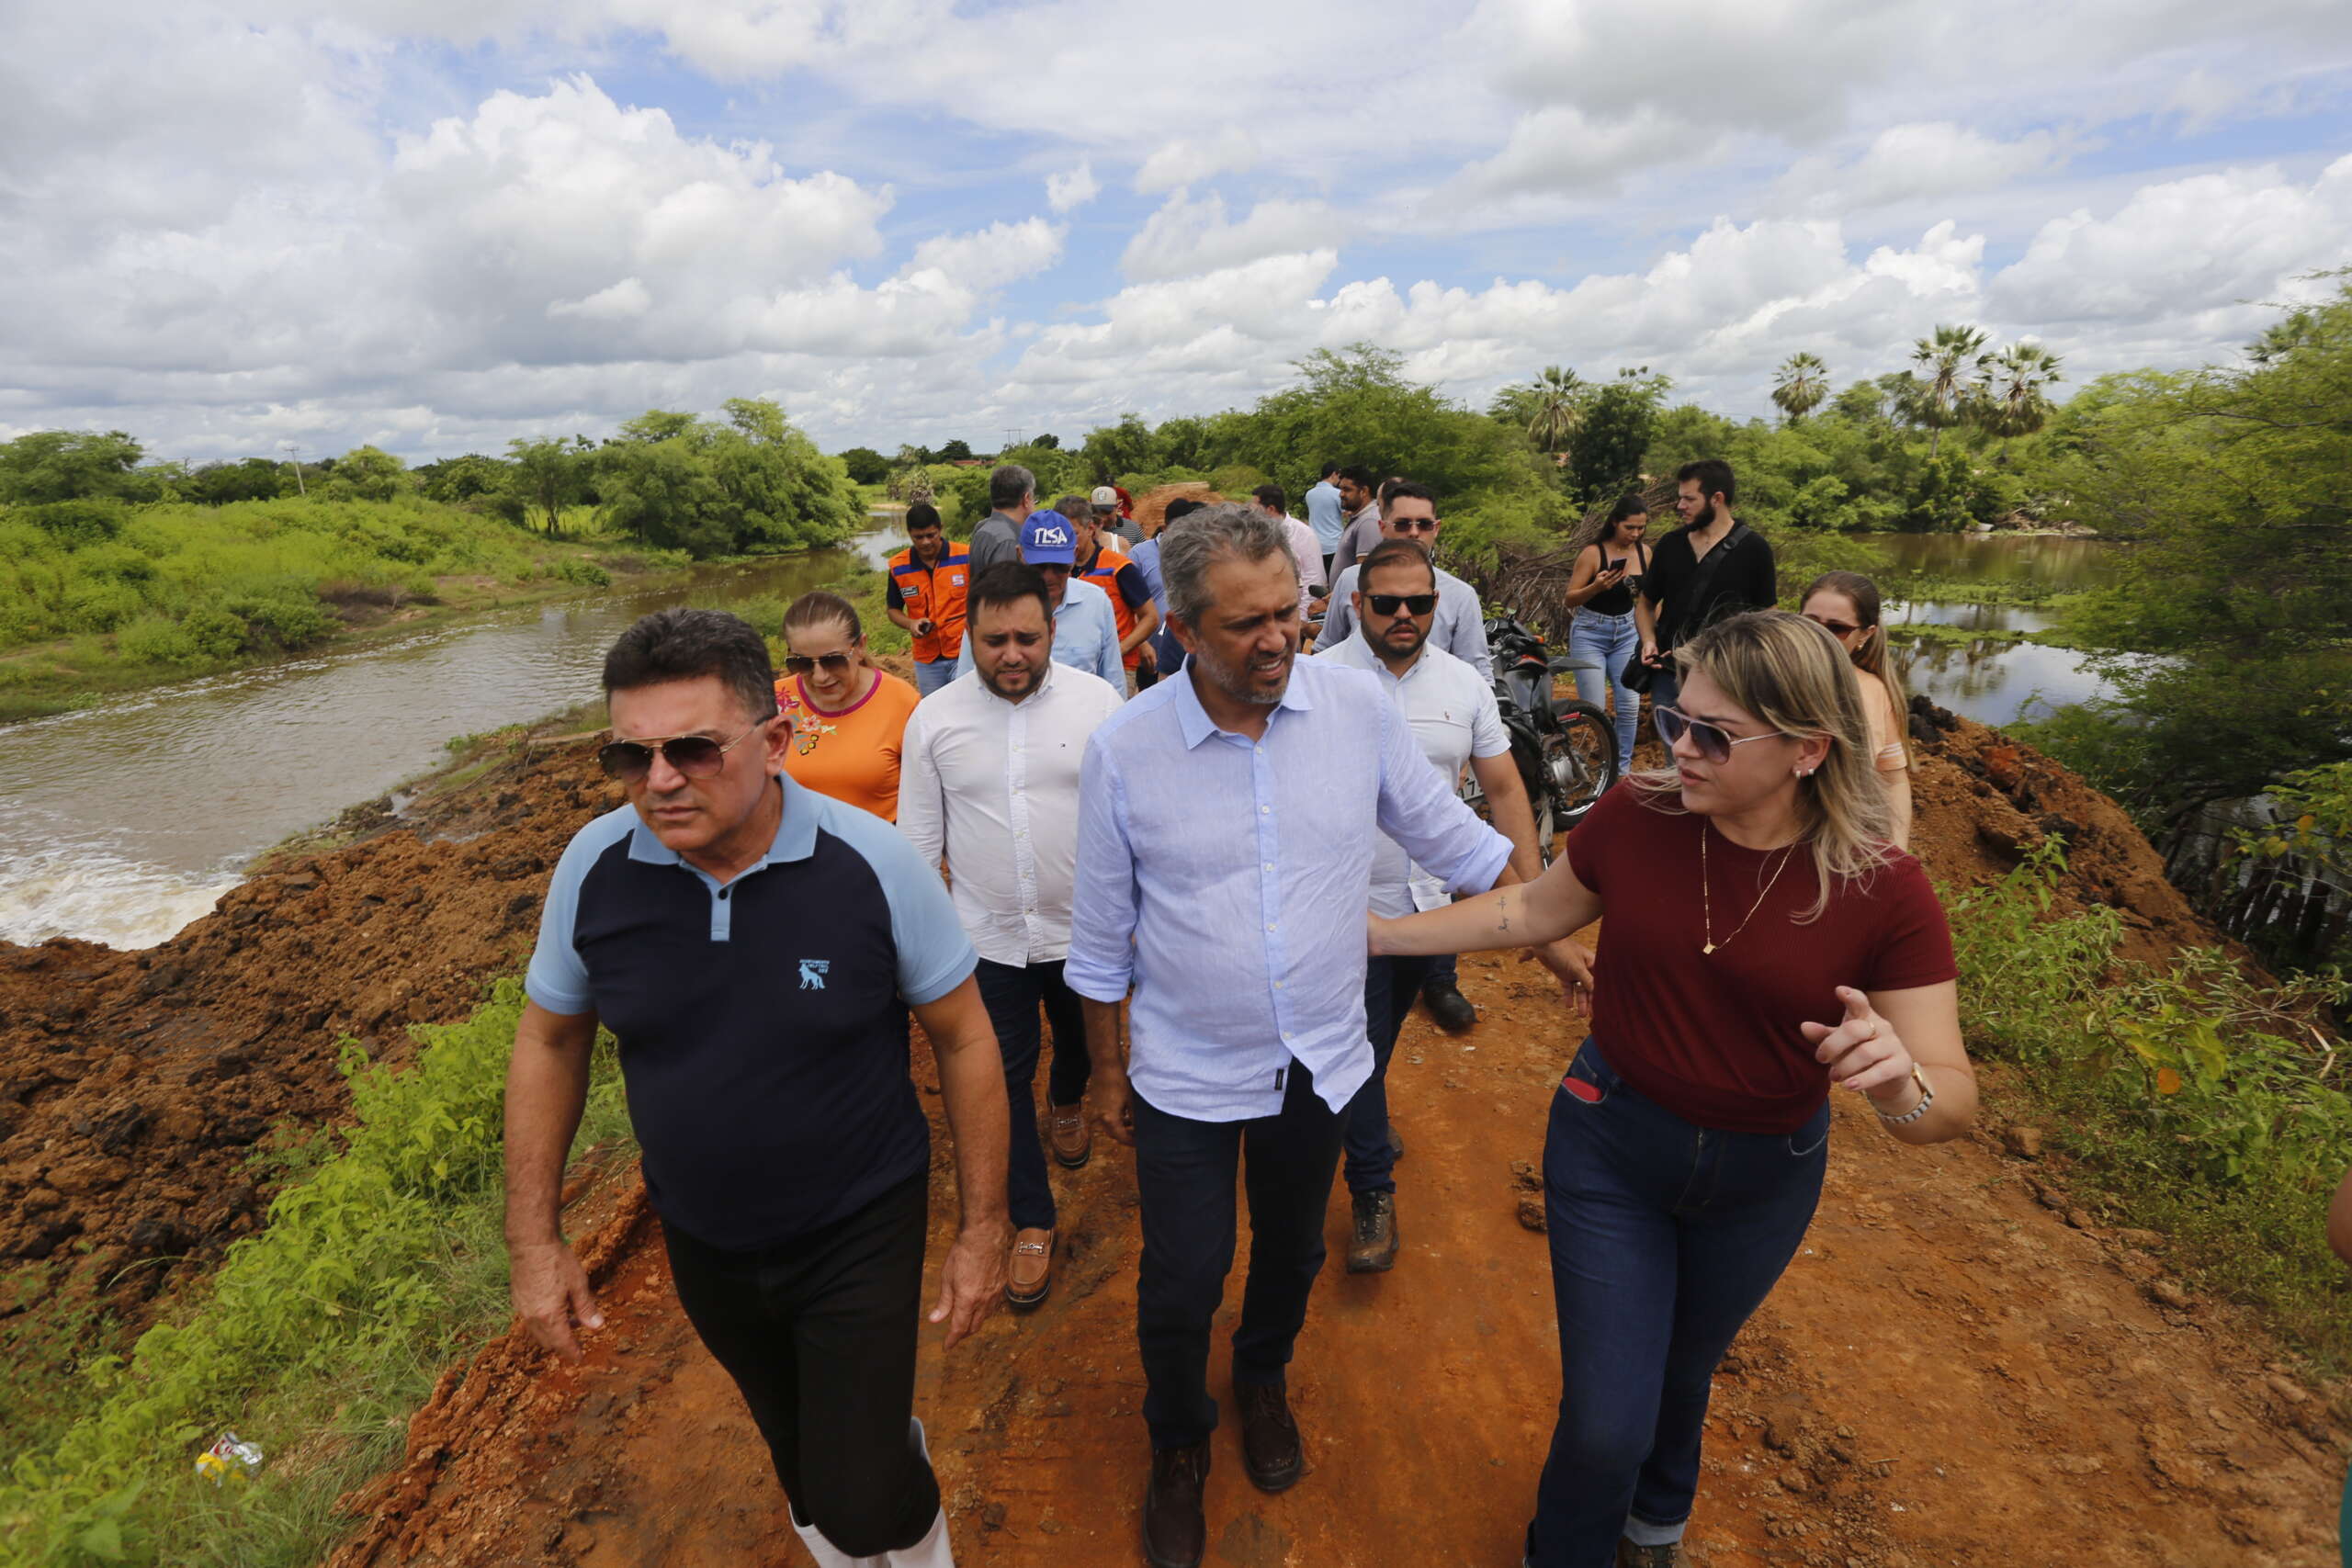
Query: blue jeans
point(932, 673)
point(1665, 1237)
point(1184, 1173)
point(1666, 691)
point(1389, 987)
point(1012, 994)
point(1611, 640)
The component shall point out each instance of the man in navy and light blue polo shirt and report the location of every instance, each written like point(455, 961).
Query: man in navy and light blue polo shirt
point(1086, 629)
point(1227, 821)
point(754, 948)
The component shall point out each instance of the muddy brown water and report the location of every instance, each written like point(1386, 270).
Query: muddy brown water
point(121, 823)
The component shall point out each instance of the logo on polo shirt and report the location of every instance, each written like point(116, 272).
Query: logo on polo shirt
point(813, 972)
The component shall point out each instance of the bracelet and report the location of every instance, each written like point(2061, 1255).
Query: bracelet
point(1927, 1098)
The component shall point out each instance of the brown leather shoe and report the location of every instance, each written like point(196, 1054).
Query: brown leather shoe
point(1373, 1249)
point(1632, 1556)
point(1175, 1531)
point(1030, 1272)
point(1270, 1450)
point(1066, 1130)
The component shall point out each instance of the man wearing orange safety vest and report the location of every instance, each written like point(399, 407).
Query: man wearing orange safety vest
point(924, 596)
point(1110, 570)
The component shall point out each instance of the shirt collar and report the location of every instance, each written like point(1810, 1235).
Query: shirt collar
point(1193, 720)
point(795, 834)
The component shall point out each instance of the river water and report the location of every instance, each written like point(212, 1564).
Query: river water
point(123, 822)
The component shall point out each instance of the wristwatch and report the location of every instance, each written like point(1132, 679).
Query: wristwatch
point(1927, 1098)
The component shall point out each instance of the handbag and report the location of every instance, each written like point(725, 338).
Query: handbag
point(1701, 581)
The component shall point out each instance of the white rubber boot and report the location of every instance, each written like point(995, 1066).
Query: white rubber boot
point(931, 1551)
point(827, 1555)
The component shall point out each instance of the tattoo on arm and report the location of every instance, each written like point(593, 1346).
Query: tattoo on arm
point(1503, 908)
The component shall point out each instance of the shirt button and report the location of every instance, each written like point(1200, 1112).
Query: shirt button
point(1270, 925)
point(1264, 810)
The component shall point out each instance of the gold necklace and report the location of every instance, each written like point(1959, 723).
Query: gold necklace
point(1706, 906)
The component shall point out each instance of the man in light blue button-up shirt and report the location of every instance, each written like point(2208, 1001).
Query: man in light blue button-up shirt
point(1227, 824)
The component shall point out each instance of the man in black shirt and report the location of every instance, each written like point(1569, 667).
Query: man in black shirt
point(1688, 587)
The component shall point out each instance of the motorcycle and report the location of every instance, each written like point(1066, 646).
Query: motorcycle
point(1565, 748)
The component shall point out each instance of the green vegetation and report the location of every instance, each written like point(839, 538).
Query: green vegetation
point(2189, 1102)
point(318, 1338)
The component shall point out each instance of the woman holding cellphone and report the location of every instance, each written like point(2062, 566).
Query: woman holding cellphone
point(1763, 945)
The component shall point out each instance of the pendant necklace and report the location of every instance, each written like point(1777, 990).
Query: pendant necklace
point(1706, 907)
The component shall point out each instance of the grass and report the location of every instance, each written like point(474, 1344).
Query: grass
point(2186, 1101)
point(318, 1338)
point(97, 598)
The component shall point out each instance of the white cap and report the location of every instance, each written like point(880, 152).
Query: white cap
point(1104, 496)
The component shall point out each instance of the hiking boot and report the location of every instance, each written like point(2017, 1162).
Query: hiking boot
point(1175, 1531)
point(1374, 1250)
point(1066, 1130)
point(1670, 1555)
point(1448, 1007)
point(1270, 1451)
point(1029, 1272)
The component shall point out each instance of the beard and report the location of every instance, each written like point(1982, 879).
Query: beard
point(1020, 684)
point(1242, 681)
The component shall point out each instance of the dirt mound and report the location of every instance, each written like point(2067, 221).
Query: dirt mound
point(1152, 505)
point(1982, 801)
point(134, 1086)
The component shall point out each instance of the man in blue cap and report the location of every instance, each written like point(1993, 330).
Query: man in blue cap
point(1085, 632)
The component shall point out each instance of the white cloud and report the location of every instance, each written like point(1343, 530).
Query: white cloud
point(1187, 161)
point(999, 255)
point(1185, 236)
point(1067, 192)
point(1919, 161)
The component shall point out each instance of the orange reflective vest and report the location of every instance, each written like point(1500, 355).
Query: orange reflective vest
point(1105, 574)
point(934, 593)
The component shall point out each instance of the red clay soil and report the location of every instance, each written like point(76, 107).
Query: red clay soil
point(1961, 1368)
point(1152, 505)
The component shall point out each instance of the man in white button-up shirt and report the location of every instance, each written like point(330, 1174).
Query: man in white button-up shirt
point(988, 783)
point(1226, 840)
point(1458, 724)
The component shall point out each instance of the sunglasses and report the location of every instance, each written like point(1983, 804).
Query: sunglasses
point(1714, 741)
point(1416, 526)
point(835, 663)
point(695, 756)
point(1835, 628)
point(1411, 603)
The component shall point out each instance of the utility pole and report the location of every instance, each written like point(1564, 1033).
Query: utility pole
point(294, 461)
point(1012, 437)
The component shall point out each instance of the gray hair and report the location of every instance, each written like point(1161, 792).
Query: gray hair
point(1195, 542)
point(1009, 484)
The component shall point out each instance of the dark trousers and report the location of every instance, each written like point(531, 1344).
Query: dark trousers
point(1184, 1173)
point(1442, 967)
point(1145, 675)
point(1389, 987)
point(1012, 994)
point(1665, 1237)
point(819, 1335)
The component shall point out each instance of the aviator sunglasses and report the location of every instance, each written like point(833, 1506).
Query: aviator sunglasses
point(835, 663)
point(695, 756)
point(1714, 741)
point(1388, 603)
point(1835, 628)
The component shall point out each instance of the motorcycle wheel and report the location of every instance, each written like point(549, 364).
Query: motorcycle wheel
point(1581, 758)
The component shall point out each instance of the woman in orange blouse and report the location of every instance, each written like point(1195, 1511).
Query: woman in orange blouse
point(848, 717)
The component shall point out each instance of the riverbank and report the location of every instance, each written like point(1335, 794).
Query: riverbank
point(149, 1090)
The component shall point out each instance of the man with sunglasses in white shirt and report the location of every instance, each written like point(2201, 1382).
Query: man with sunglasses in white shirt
point(1452, 713)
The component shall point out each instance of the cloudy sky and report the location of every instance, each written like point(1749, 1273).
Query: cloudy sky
point(435, 224)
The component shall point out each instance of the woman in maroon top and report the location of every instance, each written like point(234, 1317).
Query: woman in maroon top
point(1764, 943)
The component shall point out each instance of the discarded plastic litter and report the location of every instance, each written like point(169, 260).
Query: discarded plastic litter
point(228, 1456)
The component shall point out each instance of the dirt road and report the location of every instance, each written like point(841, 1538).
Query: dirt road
point(1952, 1372)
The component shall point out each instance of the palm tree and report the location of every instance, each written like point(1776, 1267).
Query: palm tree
point(1556, 408)
point(1947, 358)
point(1800, 385)
point(2009, 396)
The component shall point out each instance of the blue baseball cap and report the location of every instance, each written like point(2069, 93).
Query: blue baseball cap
point(1047, 539)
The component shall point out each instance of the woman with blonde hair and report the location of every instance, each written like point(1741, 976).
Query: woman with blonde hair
point(848, 717)
point(1762, 944)
point(1845, 604)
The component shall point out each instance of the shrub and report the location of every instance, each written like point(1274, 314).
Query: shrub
point(100, 604)
point(78, 522)
point(284, 621)
point(587, 573)
point(155, 639)
point(215, 633)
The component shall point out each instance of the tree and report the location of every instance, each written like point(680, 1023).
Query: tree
point(865, 466)
point(368, 473)
point(66, 465)
point(1948, 358)
point(954, 452)
point(2010, 400)
point(454, 480)
point(1049, 442)
point(545, 475)
point(750, 484)
point(1618, 417)
point(1800, 385)
point(1125, 447)
point(252, 478)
